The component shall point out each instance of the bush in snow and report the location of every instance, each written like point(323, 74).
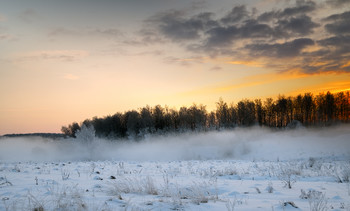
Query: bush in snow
point(65, 174)
point(311, 162)
point(343, 174)
point(230, 205)
point(269, 188)
point(288, 175)
point(317, 201)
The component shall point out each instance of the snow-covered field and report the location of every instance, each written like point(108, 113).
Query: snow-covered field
point(243, 169)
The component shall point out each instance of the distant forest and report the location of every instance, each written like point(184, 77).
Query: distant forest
point(43, 135)
point(309, 110)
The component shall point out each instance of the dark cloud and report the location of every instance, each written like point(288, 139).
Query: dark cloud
point(336, 41)
point(301, 8)
point(254, 29)
point(276, 36)
point(301, 26)
point(222, 36)
point(335, 51)
point(333, 56)
point(287, 49)
point(237, 14)
point(325, 61)
point(175, 26)
point(292, 21)
point(239, 23)
point(340, 23)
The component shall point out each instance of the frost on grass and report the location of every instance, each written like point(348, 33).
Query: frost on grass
point(197, 192)
point(288, 174)
point(65, 174)
point(133, 185)
point(230, 204)
point(342, 173)
point(317, 201)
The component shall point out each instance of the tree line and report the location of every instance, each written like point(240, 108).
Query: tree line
point(309, 110)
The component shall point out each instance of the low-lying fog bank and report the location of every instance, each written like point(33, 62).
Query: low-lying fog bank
point(241, 144)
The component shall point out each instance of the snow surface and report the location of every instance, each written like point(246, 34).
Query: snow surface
point(242, 169)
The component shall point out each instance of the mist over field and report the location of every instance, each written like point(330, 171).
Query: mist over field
point(241, 144)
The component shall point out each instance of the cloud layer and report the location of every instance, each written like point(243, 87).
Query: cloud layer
point(300, 33)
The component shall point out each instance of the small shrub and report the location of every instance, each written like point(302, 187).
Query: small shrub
point(150, 188)
point(34, 203)
point(269, 188)
point(311, 162)
point(288, 175)
point(65, 174)
point(343, 175)
point(230, 205)
point(38, 209)
point(309, 194)
point(317, 201)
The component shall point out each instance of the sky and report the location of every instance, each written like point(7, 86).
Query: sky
point(69, 60)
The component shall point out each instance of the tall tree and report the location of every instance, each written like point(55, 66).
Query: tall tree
point(222, 114)
point(308, 107)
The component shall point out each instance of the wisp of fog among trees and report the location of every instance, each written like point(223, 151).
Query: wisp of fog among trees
point(307, 110)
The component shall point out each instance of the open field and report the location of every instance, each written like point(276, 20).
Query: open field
point(251, 169)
